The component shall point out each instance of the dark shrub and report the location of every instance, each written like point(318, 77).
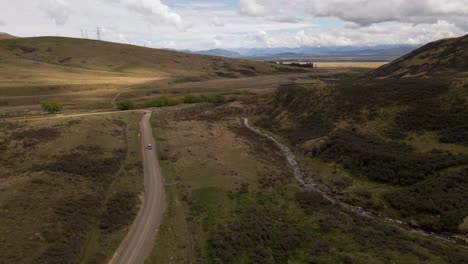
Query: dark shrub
point(383, 161)
point(444, 196)
point(125, 105)
point(120, 210)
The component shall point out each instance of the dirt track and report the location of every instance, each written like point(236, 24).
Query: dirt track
point(139, 241)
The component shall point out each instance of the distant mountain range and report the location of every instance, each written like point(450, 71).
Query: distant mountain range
point(388, 51)
point(219, 52)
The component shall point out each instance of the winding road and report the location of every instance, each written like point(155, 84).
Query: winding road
point(138, 243)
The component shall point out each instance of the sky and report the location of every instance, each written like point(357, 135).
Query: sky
point(233, 24)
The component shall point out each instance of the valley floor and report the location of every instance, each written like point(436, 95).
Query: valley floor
point(232, 198)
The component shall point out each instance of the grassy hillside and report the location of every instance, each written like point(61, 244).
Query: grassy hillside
point(114, 57)
point(398, 147)
point(6, 36)
point(89, 74)
point(447, 56)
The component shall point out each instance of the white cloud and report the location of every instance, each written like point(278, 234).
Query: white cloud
point(217, 22)
point(57, 10)
point(218, 41)
point(155, 9)
point(252, 8)
point(365, 12)
point(205, 24)
point(2, 23)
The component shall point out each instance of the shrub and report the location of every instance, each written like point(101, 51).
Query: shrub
point(443, 196)
point(119, 212)
point(192, 99)
point(311, 202)
point(84, 164)
point(162, 102)
point(204, 98)
point(260, 234)
point(390, 162)
point(214, 98)
point(450, 120)
point(76, 217)
point(51, 107)
point(125, 105)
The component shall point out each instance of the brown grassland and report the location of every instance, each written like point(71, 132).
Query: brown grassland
point(70, 186)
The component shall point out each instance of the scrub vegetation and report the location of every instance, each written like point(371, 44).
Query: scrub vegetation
point(65, 198)
point(235, 200)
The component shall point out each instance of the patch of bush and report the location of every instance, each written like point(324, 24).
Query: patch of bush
point(311, 202)
point(162, 101)
point(83, 164)
point(383, 161)
point(443, 197)
point(120, 210)
point(214, 98)
point(76, 219)
point(315, 111)
point(192, 99)
point(125, 105)
point(248, 73)
point(259, 235)
point(204, 98)
point(450, 119)
point(51, 107)
point(33, 137)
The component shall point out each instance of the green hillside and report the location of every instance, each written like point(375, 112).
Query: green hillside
point(396, 146)
point(446, 56)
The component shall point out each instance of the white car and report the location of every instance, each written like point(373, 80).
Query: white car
point(149, 146)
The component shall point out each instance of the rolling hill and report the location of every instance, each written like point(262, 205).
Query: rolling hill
point(6, 36)
point(86, 71)
point(120, 58)
point(449, 56)
point(399, 146)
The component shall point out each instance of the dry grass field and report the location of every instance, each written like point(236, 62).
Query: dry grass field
point(60, 182)
point(366, 65)
point(87, 74)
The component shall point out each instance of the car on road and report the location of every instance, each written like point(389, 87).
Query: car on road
point(149, 146)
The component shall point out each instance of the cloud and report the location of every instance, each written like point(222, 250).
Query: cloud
point(365, 12)
point(2, 23)
point(57, 10)
point(252, 8)
point(218, 41)
point(262, 23)
point(154, 10)
point(217, 22)
point(285, 19)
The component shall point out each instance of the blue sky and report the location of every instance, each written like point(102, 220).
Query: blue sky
point(206, 24)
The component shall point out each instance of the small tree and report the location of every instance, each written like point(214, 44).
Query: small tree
point(51, 107)
point(125, 105)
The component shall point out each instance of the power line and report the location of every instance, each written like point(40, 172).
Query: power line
point(98, 33)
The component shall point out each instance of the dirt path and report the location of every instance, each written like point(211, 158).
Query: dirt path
point(311, 185)
point(139, 241)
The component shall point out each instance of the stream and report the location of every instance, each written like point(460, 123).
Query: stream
point(312, 185)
